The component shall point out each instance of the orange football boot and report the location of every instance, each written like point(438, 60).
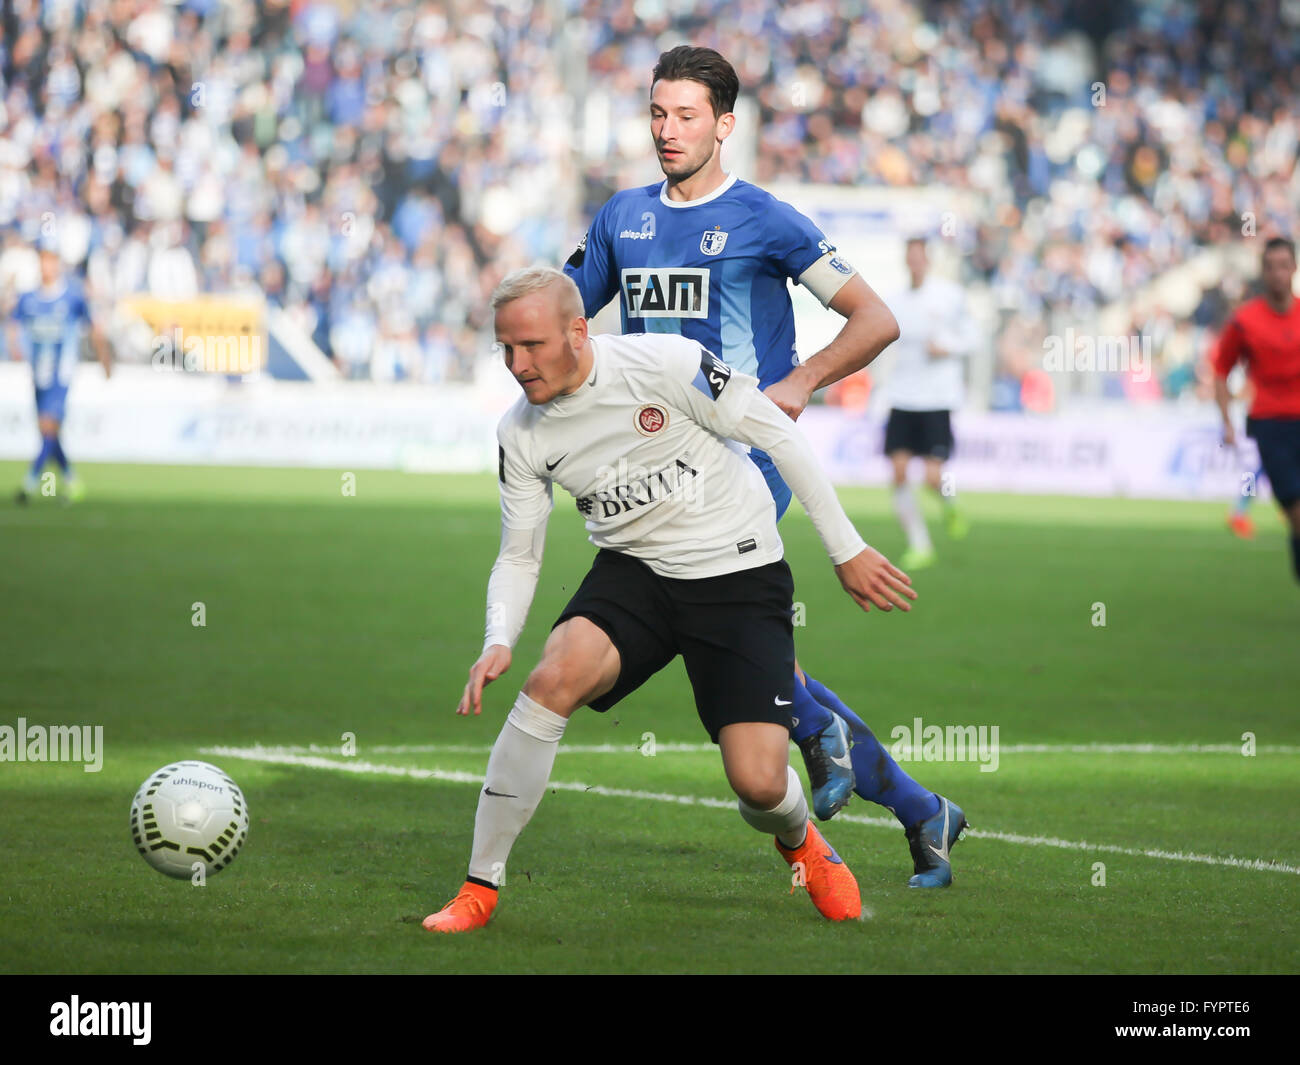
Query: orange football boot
point(833, 888)
point(1241, 525)
point(469, 910)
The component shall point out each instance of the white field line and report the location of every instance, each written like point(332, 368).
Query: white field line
point(277, 756)
point(903, 753)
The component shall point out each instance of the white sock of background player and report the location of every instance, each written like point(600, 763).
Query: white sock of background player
point(908, 509)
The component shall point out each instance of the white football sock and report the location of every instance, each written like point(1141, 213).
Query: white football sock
point(910, 517)
point(788, 821)
point(517, 772)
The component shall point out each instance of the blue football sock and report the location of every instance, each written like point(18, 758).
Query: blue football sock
point(48, 444)
point(810, 717)
point(879, 778)
point(61, 458)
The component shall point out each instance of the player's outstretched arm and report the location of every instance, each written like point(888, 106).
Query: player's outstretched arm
point(729, 404)
point(526, 502)
point(510, 595)
point(867, 576)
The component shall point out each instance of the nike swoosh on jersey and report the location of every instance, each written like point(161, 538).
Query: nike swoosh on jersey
point(551, 465)
point(782, 702)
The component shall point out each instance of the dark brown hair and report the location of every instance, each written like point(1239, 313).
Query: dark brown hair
point(1280, 242)
point(685, 63)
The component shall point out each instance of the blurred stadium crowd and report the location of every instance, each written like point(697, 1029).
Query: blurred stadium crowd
point(376, 167)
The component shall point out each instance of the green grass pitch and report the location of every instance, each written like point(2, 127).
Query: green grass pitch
point(329, 614)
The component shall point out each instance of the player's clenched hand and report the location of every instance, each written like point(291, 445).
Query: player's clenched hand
point(871, 578)
point(491, 664)
point(790, 395)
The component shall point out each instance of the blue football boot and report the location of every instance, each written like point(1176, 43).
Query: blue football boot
point(930, 842)
point(830, 769)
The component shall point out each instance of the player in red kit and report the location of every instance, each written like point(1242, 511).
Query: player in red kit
point(1265, 334)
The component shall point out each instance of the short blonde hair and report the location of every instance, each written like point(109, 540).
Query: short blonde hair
point(520, 283)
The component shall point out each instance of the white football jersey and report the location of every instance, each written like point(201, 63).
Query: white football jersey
point(642, 448)
point(934, 312)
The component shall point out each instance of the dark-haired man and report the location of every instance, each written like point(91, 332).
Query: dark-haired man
point(708, 256)
point(1265, 334)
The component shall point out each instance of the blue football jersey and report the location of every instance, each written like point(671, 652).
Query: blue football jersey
point(50, 327)
point(714, 270)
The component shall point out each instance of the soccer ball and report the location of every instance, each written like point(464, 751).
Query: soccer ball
point(187, 813)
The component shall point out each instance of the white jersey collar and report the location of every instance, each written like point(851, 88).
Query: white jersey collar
point(663, 194)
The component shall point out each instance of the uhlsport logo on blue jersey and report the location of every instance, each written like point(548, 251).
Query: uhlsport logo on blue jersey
point(647, 231)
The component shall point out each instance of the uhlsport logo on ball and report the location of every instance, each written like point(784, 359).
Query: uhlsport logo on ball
point(187, 814)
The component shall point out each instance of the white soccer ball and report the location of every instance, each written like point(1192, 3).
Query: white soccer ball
point(187, 813)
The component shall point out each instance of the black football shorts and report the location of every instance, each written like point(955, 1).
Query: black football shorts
point(1279, 454)
point(734, 632)
point(922, 432)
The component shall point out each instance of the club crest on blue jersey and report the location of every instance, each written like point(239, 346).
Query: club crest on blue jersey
point(713, 241)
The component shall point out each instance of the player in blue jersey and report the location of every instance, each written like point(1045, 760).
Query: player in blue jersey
point(47, 328)
point(708, 256)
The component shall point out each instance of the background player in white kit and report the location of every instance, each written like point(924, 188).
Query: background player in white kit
point(637, 428)
point(924, 387)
